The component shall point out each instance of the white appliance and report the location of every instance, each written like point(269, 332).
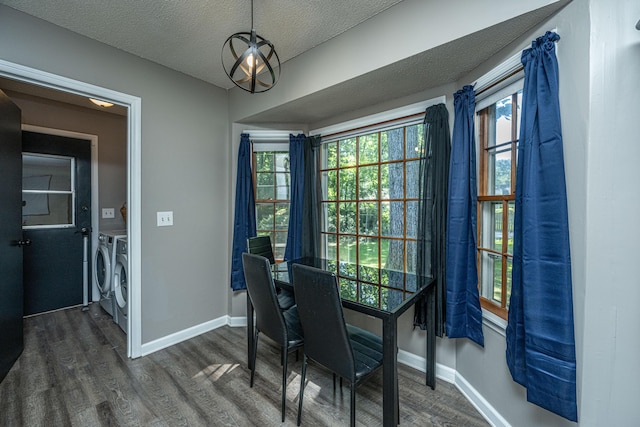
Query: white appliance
point(121, 284)
point(104, 263)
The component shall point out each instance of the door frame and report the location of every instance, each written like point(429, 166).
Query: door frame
point(95, 199)
point(134, 179)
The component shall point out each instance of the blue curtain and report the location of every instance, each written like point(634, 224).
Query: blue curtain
point(244, 221)
point(293, 249)
point(540, 335)
point(463, 312)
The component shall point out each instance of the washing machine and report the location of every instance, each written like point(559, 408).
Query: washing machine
point(121, 285)
point(104, 264)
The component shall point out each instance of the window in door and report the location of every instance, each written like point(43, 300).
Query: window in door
point(48, 191)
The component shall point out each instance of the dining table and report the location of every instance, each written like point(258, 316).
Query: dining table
point(378, 292)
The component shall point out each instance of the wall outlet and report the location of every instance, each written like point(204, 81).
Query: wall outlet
point(108, 213)
point(165, 219)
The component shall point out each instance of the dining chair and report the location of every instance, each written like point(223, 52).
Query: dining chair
point(261, 245)
point(282, 326)
point(347, 351)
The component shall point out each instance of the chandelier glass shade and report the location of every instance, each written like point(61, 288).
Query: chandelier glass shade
point(250, 61)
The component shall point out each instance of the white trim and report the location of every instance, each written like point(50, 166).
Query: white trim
point(95, 196)
point(269, 146)
point(378, 118)
point(134, 169)
point(183, 335)
point(498, 73)
point(257, 135)
point(481, 404)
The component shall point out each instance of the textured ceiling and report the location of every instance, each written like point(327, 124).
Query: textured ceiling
point(188, 35)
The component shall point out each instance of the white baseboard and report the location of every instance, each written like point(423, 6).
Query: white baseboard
point(443, 372)
point(185, 334)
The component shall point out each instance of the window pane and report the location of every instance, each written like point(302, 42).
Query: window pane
point(347, 152)
point(491, 229)
point(282, 162)
point(368, 218)
point(368, 182)
point(392, 217)
point(265, 216)
point(282, 216)
point(519, 112)
point(392, 145)
point(368, 149)
point(264, 161)
point(512, 209)
point(42, 172)
point(503, 120)
point(348, 218)
point(412, 255)
point(413, 179)
point(491, 273)
point(330, 157)
point(331, 217)
point(282, 186)
point(499, 168)
point(412, 219)
point(47, 209)
point(280, 245)
point(265, 189)
point(392, 181)
point(347, 184)
point(368, 252)
point(347, 249)
point(415, 140)
point(330, 187)
point(331, 247)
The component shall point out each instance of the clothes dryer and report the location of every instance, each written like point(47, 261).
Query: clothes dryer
point(104, 263)
point(121, 284)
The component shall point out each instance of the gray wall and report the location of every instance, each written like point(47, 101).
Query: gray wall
point(185, 160)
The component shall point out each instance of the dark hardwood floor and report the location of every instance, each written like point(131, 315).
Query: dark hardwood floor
point(74, 372)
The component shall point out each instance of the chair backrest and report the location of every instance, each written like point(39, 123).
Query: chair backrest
point(325, 332)
point(261, 245)
point(269, 318)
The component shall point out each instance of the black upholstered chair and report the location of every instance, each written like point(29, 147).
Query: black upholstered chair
point(261, 245)
point(282, 326)
point(350, 352)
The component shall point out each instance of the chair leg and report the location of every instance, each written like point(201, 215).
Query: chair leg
point(353, 404)
point(302, 378)
point(284, 381)
point(253, 357)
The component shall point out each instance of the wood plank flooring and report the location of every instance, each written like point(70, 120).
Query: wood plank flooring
point(74, 372)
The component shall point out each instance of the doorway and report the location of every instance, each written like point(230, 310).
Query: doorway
point(134, 122)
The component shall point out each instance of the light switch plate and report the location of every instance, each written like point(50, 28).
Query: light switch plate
point(165, 219)
point(108, 213)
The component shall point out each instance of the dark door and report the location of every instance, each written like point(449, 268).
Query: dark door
point(11, 241)
point(56, 207)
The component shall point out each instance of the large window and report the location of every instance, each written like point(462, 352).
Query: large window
point(370, 201)
point(499, 129)
point(271, 170)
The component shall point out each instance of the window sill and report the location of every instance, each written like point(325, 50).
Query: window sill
point(497, 323)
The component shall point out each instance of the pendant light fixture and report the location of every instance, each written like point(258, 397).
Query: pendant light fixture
point(250, 61)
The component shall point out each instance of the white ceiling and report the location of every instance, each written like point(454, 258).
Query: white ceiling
point(188, 35)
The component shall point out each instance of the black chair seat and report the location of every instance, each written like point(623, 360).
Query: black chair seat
point(367, 350)
point(294, 330)
point(286, 299)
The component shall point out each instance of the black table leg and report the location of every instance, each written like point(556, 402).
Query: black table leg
point(431, 339)
point(389, 373)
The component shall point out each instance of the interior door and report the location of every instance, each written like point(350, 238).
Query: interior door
point(56, 207)
point(11, 241)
